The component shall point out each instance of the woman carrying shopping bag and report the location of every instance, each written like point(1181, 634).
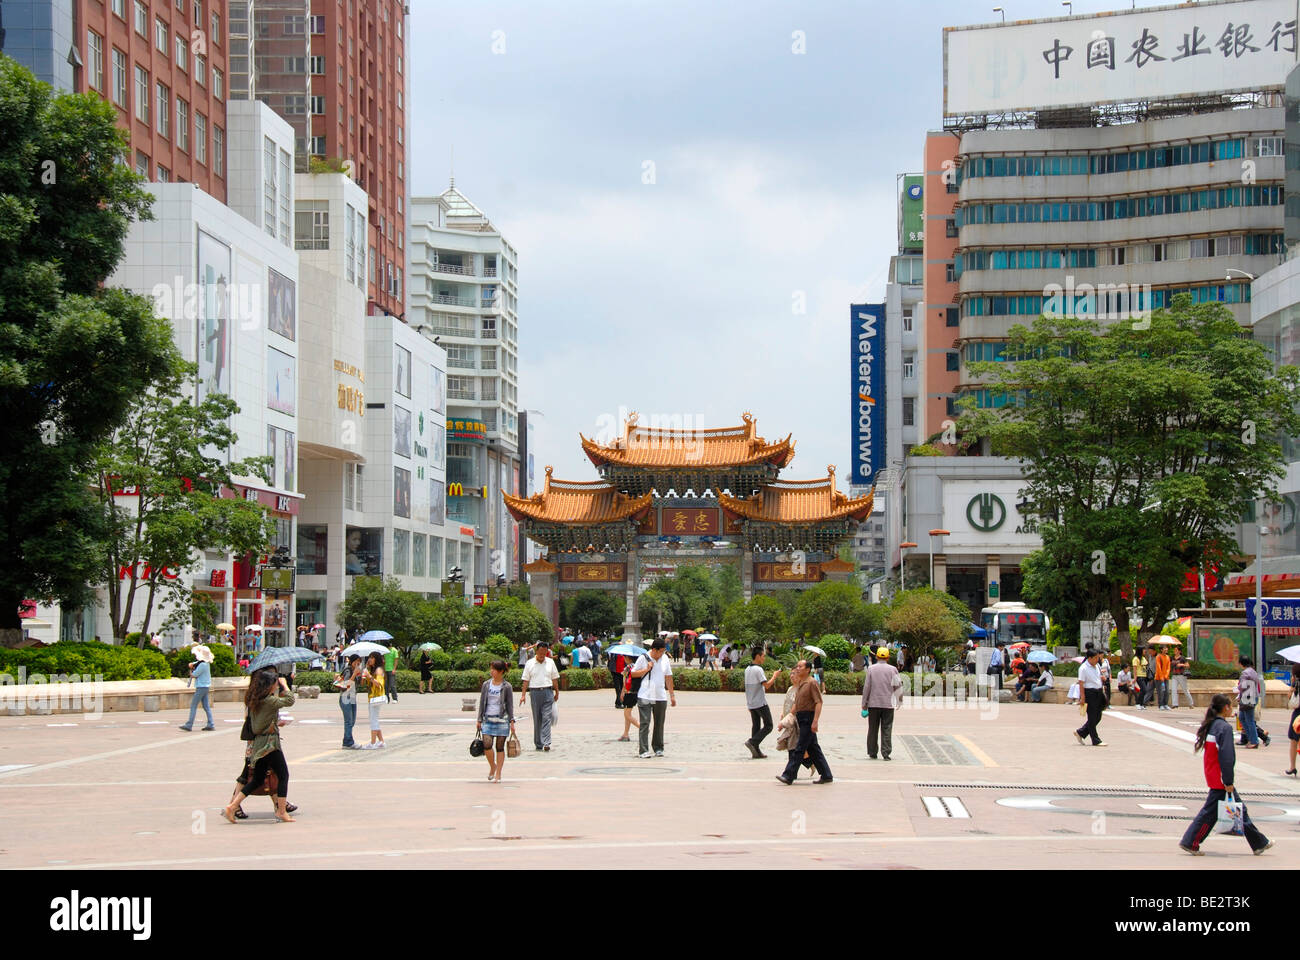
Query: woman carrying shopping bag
point(496, 719)
point(1215, 738)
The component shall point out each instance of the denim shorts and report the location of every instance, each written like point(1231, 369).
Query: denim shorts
point(496, 728)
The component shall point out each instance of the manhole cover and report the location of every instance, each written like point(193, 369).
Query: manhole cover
point(626, 771)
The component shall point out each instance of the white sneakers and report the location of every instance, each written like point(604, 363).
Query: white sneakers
point(647, 755)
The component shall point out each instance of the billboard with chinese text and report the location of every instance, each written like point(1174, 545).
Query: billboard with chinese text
point(1162, 52)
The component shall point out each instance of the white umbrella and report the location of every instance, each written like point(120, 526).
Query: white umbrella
point(254, 627)
point(1290, 653)
point(706, 636)
point(364, 648)
point(817, 650)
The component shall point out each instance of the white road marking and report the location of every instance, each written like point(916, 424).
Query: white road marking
point(1150, 725)
point(72, 761)
point(60, 724)
point(13, 766)
point(1162, 806)
point(956, 809)
point(522, 845)
point(150, 723)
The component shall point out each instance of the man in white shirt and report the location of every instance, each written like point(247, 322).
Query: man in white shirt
point(542, 680)
point(583, 653)
point(656, 673)
point(1045, 683)
point(1090, 687)
point(757, 686)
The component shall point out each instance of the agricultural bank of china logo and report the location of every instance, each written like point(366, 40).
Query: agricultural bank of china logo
point(986, 512)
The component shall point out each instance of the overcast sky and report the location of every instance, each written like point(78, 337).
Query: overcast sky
point(774, 178)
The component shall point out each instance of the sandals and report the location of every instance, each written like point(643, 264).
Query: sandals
point(240, 814)
point(1288, 773)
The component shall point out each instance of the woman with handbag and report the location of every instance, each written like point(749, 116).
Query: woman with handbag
point(1292, 733)
point(1215, 738)
point(787, 728)
point(625, 690)
point(267, 693)
point(373, 679)
point(496, 719)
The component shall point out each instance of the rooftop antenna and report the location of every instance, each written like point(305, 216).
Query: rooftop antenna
point(453, 168)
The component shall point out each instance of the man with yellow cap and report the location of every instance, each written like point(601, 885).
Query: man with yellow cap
point(881, 691)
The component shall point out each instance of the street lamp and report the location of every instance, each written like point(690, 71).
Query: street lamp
point(1232, 270)
point(1260, 530)
point(1001, 11)
point(936, 532)
point(902, 562)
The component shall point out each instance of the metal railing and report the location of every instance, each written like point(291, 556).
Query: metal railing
point(460, 394)
point(462, 363)
point(454, 268)
point(454, 301)
point(454, 332)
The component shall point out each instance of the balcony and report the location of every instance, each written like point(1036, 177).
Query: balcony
point(489, 271)
point(453, 301)
point(460, 394)
point(469, 334)
point(452, 268)
point(463, 363)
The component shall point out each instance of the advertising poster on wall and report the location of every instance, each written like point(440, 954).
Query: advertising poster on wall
point(401, 492)
point(401, 431)
point(867, 380)
point(282, 305)
point(402, 371)
point(213, 349)
point(281, 448)
point(439, 391)
point(437, 446)
point(281, 385)
point(437, 503)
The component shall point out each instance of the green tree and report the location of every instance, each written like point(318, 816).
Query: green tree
point(376, 603)
point(169, 450)
point(1137, 442)
point(758, 621)
point(828, 607)
point(687, 601)
point(513, 618)
point(726, 579)
point(924, 623)
point(592, 611)
point(73, 355)
point(440, 621)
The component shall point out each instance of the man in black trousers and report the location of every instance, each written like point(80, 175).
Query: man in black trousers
point(1094, 694)
point(807, 711)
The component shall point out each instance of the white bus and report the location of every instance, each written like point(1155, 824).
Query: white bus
point(1012, 622)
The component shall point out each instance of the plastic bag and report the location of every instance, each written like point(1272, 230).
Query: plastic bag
point(1231, 816)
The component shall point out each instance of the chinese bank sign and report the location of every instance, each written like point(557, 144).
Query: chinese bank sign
point(867, 376)
point(1160, 52)
point(912, 227)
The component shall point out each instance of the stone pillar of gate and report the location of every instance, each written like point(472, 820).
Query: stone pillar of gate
point(632, 621)
point(747, 574)
point(543, 590)
point(993, 574)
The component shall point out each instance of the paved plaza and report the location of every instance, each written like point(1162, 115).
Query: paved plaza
point(1007, 788)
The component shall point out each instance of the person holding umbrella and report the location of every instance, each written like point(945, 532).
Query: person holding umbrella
point(267, 693)
point(346, 681)
point(426, 671)
point(201, 675)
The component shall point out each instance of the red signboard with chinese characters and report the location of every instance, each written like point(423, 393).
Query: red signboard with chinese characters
point(466, 531)
point(217, 578)
point(275, 502)
point(690, 521)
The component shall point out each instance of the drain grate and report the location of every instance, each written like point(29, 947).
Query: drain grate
point(949, 808)
point(939, 750)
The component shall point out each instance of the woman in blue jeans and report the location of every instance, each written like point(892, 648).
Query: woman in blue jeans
point(201, 674)
point(347, 684)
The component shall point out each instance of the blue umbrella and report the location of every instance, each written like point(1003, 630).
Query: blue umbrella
point(975, 630)
point(275, 656)
point(1042, 656)
point(627, 650)
point(376, 636)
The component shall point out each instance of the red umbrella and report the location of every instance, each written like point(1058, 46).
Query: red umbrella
point(1022, 643)
point(689, 633)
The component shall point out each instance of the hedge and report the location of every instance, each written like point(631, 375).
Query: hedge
point(223, 661)
point(87, 659)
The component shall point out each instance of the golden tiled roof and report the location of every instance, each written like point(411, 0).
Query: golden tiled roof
point(541, 565)
point(577, 502)
point(836, 565)
point(717, 447)
point(798, 501)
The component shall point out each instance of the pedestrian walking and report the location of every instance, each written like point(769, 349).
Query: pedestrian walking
point(1161, 667)
point(1215, 738)
point(270, 784)
point(995, 665)
point(496, 717)
point(819, 672)
point(390, 671)
point(1293, 725)
point(1250, 688)
point(346, 682)
point(1178, 678)
point(375, 679)
point(757, 687)
point(881, 691)
point(201, 675)
point(1104, 666)
point(267, 693)
point(1149, 685)
point(1094, 698)
point(540, 685)
point(807, 712)
point(525, 652)
point(655, 671)
point(625, 689)
point(1140, 670)
point(426, 672)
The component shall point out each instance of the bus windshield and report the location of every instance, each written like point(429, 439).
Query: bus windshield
point(1015, 626)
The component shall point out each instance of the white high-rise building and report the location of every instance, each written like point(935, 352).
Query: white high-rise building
point(463, 293)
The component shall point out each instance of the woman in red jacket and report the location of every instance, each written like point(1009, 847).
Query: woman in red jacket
point(1215, 737)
